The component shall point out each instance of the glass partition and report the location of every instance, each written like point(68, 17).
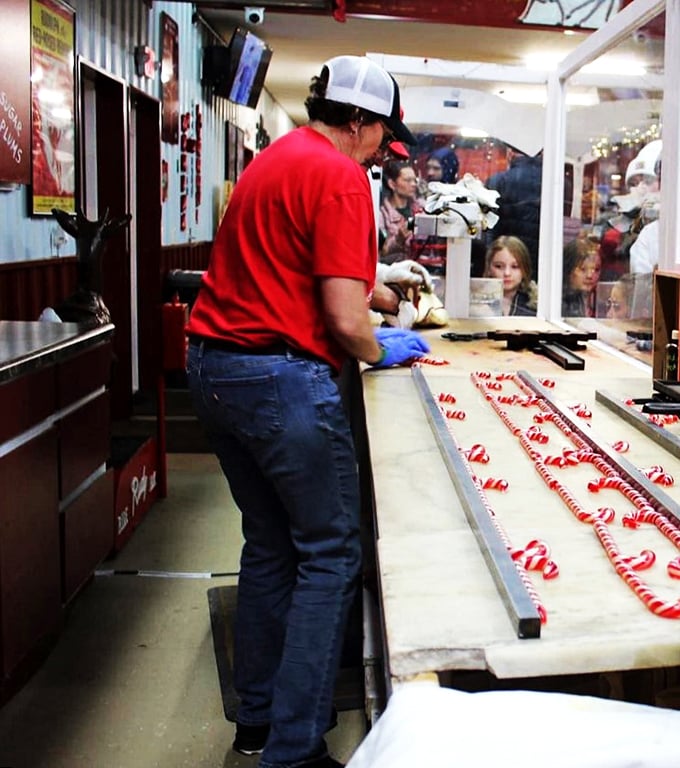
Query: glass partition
point(610, 226)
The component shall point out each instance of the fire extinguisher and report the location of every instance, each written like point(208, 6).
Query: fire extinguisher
point(175, 341)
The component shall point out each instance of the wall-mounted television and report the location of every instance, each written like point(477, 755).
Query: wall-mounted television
point(237, 71)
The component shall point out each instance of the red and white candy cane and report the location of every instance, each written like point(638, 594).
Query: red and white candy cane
point(641, 562)
point(659, 607)
point(528, 401)
point(540, 418)
point(555, 461)
point(536, 434)
point(605, 482)
point(477, 454)
point(482, 374)
point(505, 376)
point(621, 446)
point(548, 478)
point(547, 383)
point(673, 568)
point(658, 475)
point(425, 360)
point(447, 397)
point(571, 456)
point(495, 484)
point(662, 419)
point(459, 415)
point(507, 399)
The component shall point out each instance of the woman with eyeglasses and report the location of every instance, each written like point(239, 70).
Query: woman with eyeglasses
point(581, 269)
point(398, 207)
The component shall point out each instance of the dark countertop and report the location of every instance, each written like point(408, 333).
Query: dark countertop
point(27, 346)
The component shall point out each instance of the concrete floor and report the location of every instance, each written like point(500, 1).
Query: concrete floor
point(132, 681)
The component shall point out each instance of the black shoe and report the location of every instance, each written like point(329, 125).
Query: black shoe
point(324, 762)
point(250, 739)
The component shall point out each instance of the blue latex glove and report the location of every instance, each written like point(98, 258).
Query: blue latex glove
point(402, 346)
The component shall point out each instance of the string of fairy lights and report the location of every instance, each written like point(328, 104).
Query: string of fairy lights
point(630, 137)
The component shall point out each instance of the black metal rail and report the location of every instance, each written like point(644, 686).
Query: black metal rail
point(519, 605)
point(637, 479)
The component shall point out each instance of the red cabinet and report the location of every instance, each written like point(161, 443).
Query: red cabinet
point(56, 493)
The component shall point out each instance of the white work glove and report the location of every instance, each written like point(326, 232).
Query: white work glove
point(406, 274)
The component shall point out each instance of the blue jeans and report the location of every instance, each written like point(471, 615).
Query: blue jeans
point(277, 425)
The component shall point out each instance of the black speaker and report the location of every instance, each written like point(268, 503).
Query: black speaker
point(216, 64)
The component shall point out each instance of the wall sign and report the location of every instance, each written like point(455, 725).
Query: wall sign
point(52, 98)
point(170, 79)
point(15, 94)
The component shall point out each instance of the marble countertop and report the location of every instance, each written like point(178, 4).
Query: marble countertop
point(440, 604)
point(27, 346)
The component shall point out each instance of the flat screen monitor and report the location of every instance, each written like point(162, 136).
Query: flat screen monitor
point(242, 69)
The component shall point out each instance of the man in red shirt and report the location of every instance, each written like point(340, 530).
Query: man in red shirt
point(283, 304)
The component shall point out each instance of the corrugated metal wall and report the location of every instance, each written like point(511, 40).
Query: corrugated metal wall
point(107, 32)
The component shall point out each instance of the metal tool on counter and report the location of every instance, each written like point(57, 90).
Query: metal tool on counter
point(558, 346)
point(454, 336)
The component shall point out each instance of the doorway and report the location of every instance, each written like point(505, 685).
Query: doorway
point(120, 174)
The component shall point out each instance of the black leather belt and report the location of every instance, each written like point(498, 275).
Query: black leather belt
point(278, 348)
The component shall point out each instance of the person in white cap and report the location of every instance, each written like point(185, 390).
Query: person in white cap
point(644, 174)
point(282, 306)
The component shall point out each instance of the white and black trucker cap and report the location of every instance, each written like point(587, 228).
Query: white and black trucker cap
point(358, 81)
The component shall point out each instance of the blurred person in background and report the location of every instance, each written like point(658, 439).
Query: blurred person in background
point(581, 269)
point(520, 201)
point(398, 207)
point(442, 165)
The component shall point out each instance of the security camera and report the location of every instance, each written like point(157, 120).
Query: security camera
point(254, 15)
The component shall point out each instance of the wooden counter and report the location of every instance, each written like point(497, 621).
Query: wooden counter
point(440, 607)
point(56, 521)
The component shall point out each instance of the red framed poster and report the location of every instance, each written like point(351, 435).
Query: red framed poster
point(170, 79)
point(53, 174)
point(15, 94)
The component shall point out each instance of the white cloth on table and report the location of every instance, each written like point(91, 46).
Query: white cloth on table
point(426, 726)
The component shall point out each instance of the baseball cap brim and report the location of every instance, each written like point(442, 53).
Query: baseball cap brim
point(394, 121)
point(398, 149)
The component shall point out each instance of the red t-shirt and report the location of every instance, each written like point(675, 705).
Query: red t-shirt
point(301, 210)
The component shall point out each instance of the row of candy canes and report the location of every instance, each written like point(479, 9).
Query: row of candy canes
point(625, 566)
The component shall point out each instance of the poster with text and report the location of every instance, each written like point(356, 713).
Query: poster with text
point(53, 173)
point(170, 80)
point(15, 94)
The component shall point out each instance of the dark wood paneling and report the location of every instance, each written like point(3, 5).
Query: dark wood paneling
point(83, 374)
point(87, 533)
point(85, 441)
point(26, 401)
point(185, 256)
point(30, 583)
point(27, 287)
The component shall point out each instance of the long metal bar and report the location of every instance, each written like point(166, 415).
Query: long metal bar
point(521, 609)
point(638, 480)
point(659, 435)
point(559, 354)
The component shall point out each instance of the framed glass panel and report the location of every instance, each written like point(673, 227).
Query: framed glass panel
point(610, 228)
